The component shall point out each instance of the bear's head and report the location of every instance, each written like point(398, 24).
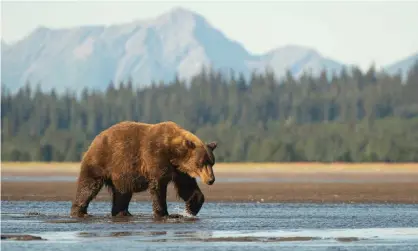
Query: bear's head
point(196, 159)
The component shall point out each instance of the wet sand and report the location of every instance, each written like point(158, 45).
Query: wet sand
point(238, 192)
point(374, 183)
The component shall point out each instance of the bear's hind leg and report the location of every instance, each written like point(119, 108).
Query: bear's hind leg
point(189, 191)
point(87, 189)
point(120, 203)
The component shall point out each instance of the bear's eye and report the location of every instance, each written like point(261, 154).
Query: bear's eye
point(202, 160)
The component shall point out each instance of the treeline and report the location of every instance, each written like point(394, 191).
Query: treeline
point(354, 116)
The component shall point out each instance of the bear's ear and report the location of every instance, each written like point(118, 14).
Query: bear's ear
point(212, 145)
point(189, 144)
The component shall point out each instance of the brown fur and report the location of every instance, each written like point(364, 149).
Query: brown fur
point(131, 157)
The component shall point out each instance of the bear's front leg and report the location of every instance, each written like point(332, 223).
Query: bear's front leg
point(190, 192)
point(120, 203)
point(158, 191)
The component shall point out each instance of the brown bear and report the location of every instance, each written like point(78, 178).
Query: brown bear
point(131, 157)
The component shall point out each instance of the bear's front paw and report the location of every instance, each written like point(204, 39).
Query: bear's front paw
point(166, 217)
point(159, 217)
point(175, 216)
point(123, 214)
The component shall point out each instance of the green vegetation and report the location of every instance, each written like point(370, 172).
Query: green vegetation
point(352, 117)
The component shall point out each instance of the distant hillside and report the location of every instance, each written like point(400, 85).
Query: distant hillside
point(402, 66)
point(179, 41)
point(3, 44)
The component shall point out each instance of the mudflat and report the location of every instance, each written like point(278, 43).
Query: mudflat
point(235, 182)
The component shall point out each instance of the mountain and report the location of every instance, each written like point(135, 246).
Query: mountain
point(402, 66)
point(177, 42)
point(296, 59)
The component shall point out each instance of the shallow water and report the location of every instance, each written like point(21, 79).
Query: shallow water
point(219, 226)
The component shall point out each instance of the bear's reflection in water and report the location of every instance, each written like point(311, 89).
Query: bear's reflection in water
point(134, 219)
point(206, 236)
point(172, 234)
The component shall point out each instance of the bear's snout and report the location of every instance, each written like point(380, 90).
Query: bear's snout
point(207, 175)
point(211, 181)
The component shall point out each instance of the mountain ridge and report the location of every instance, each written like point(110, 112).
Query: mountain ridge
point(402, 65)
point(176, 43)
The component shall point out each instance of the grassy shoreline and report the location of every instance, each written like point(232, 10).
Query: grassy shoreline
point(237, 167)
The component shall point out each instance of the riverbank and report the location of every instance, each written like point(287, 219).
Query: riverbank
point(236, 182)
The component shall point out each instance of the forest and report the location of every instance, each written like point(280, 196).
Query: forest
point(352, 116)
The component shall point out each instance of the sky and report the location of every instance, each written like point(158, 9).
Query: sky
point(360, 33)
